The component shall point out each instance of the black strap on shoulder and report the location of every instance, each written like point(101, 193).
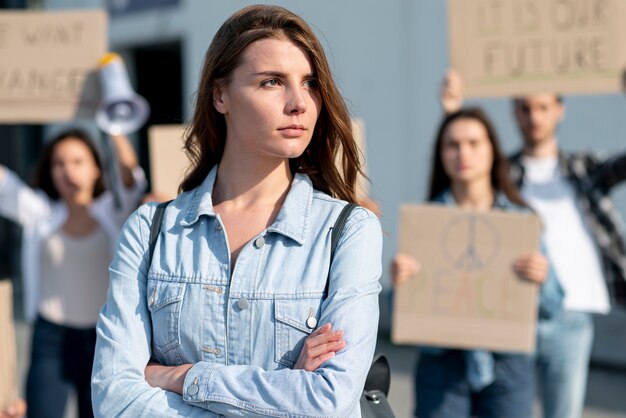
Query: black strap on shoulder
point(338, 228)
point(340, 223)
point(155, 228)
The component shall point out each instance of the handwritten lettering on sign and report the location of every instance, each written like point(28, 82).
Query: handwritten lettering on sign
point(48, 62)
point(466, 294)
point(512, 47)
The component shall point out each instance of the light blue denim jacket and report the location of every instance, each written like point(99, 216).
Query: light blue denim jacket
point(242, 330)
point(480, 363)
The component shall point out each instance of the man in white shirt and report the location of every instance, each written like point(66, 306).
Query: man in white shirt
point(584, 241)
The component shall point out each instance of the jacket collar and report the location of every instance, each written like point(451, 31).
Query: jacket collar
point(292, 219)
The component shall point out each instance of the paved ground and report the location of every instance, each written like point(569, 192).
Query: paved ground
point(606, 394)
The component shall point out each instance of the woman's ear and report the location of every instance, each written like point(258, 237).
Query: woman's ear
point(220, 99)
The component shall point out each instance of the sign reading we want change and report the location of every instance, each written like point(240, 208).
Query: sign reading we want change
point(48, 63)
point(513, 47)
point(466, 294)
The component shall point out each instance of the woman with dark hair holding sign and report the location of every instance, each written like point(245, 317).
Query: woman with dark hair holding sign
point(240, 289)
point(470, 171)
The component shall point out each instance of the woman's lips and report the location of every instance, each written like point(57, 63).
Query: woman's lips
point(293, 130)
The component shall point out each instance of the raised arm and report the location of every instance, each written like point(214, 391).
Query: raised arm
point(131, 184)
point(18, 202)
point(127, 159)
point(451, 92)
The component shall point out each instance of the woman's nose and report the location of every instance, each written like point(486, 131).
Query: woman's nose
point(296, 103)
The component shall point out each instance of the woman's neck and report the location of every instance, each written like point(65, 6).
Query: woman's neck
point(245, 184)
point(476, 195)
point(79, 220)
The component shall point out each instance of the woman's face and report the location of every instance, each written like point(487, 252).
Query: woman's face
point(466, 152)
point(271, 102)
point(74, 170)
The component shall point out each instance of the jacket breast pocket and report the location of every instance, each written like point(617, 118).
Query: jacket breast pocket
point(295, 320)
point(165, 302)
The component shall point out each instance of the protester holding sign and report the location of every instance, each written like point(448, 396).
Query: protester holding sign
point(571, 192)
point(70, 227)
point(470, 171)
point(241, 271)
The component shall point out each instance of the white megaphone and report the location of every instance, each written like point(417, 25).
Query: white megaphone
point(121, 110)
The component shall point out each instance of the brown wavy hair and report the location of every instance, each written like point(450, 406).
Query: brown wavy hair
point(332, 137)
point(500, 180)
point(42, 176)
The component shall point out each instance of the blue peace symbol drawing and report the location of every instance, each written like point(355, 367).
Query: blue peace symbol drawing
point(481, 238)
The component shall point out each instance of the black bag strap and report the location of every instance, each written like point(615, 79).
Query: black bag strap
point(155, 228)
point(335, 234)
point(340, 223)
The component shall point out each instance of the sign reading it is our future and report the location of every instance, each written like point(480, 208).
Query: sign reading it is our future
point(48, 63)
point(513, 47)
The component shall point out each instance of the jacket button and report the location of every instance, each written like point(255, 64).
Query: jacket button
point(242, 303)
point(311, 322)
point(193, 390)
point(259, 242)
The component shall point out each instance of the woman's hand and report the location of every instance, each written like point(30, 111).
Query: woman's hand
point(532, 266)
point(452, 92)
point(319, 346)
point(403, 267)
point(17, 410)
point(167, 377)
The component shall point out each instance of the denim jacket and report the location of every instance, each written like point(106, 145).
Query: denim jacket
point(242, 330)
point(480, 363)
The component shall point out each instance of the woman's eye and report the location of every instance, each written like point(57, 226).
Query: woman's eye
point(311, 84)
point(270, 83)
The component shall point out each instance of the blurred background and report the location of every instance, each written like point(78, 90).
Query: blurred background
point(389, 59)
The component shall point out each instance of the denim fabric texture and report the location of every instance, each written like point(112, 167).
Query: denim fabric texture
point(61, 360)
point(444, 391)
point(242, 330)
point(563, 352)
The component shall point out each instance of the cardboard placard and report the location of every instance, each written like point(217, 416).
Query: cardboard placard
point(168, 161)
point(48, 63)
point(517, 47)
point(8, 361)
point(466, 294)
